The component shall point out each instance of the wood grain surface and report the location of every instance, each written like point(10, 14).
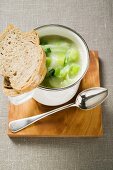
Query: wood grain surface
point(71, 122)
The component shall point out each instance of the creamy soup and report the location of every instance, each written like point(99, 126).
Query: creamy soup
point(62, 61)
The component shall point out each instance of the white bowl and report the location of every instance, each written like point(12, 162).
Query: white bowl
point(58, 96)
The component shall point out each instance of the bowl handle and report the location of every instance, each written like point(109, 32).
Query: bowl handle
point(21, 98)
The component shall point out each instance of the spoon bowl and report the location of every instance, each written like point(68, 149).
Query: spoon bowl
point(91, 98)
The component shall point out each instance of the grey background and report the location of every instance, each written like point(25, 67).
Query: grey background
point(93, 19)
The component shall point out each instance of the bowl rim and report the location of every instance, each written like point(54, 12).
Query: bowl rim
point(71, 85)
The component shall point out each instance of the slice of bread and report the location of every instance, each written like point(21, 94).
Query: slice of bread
point(22, 60)
point(9, 91)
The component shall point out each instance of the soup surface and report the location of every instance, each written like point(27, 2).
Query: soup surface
point(62, 61)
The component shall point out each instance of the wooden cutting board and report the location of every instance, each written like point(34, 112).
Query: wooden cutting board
point(71, 122)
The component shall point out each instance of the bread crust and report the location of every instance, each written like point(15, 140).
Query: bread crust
point(5, 32)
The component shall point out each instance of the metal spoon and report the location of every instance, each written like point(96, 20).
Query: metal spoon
point(87, 99)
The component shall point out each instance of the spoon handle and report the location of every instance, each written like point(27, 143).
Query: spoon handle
point(20, 124)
